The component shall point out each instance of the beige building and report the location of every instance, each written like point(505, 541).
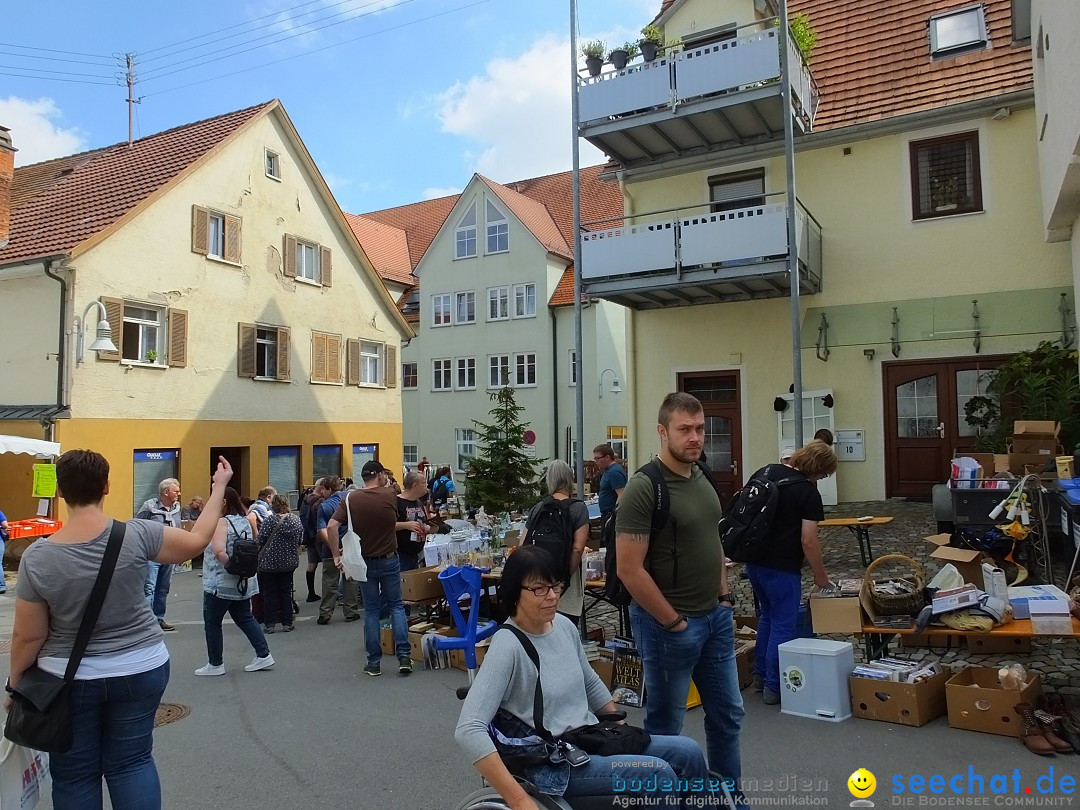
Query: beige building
point(246, 319)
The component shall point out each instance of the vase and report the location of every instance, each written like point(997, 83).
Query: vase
point(594, 65)
point(648, 50)
point(619, 58)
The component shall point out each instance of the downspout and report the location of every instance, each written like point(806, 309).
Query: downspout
point(61, 351)
point(555, 379)
point(631, 343)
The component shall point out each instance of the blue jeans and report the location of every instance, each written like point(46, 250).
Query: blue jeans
point(779, 594)
point(213, 611)
point(3, 581)
point(705, 650)
point(383, 583)
point(113, 722)
point(158, 580)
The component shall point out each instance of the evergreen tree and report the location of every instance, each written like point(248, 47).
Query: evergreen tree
point(501, 477)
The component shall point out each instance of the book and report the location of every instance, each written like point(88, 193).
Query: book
point(628, 678)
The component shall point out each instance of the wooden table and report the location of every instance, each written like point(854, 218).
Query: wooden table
point(878, 638)
point(861, 529)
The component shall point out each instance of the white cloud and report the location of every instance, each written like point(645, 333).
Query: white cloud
point(36, 131)
point(336, 181)
point(434, 192)
point(306, 23)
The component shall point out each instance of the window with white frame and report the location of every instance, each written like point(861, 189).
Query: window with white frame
point(466, 373)
point(525, 369)
point(307, 261)
point(143, 334)
point(958, 31)
point(273, 164)
point(498, 370)
point(617, 437)
point(442, 375)
point(216, 239)
point(524, 300)
point(498, 303)
point(466, 447)
point(573, 367)
point(465, 307)
point(266, 352)
point(371, 363)
point(440, 310)
point(465, 235)
point(498, 230)
point(410, 454)
point(409, 375)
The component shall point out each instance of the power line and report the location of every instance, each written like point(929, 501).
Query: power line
point(51, 58)
point(52, 50)
point(55, 79)
point(58, 72)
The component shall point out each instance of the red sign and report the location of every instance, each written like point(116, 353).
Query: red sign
point(530, 437)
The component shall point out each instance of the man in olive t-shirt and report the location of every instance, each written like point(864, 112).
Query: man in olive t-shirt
point(682, 610)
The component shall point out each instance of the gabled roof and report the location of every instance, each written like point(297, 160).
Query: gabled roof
point(564, 290)
point(420, 222)
point(386, 247)
point(534, 215)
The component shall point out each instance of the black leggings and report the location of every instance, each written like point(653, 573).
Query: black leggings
point(276, 590)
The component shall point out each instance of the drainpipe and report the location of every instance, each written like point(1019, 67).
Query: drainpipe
point(630, 320)
point(61, 350)
point(555, 379)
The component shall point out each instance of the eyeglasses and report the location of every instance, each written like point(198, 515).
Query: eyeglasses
point(540, 591)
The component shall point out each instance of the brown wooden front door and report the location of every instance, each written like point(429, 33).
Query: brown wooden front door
point(720, 398)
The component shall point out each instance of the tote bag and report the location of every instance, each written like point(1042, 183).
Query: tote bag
point(352, 560)
point(24, 776)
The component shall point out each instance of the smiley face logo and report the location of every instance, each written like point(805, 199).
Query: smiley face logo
point(862, 784)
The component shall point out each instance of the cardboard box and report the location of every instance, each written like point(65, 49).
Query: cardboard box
point(998, 645)
point(908, 704)
point(603, 668)
point(952, 641)
point(1038, 437)
point(744, 661)
point(1021, 596)
point(416, 649)
point(977, 702)
point(1023, 463)
point(835, 614)
point(457, 657)
point(1065, 467)
point(967, 561)
point(991, 463)
point(421, 584)
point(386, 639)
point(994, 582)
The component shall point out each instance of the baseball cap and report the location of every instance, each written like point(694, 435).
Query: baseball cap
point(371, 469)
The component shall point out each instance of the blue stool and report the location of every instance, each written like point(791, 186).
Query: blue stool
point(458, 582)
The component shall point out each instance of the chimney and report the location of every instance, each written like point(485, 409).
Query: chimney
point(7, 177)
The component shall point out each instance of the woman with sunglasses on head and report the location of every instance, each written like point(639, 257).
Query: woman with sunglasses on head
point(573, 695)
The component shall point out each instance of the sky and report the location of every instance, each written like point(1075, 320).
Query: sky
point(397, 100)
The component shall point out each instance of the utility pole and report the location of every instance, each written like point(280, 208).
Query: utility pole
point(129, 77)
point(579, 354)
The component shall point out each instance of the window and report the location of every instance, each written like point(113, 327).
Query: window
point(441, 375)
point(144, 336)
point(524, 300)
point(465, 235)
point(466, 373)
point(498, 370)
point(730, 192)
point(370, 363)
point(308, 260)
point(361, 455)
point(525, 369)
point(412, 303)
point(216, 245)
point(283, 469)
point(410, 454)
point(498, 303)
point(215, 234)
point(465, 307)
point(573, 367)
point(440, 310)
point(325, 358)
point(466, 447)
point(266, 353)
point(958, 31)
point(498, 230)
point(617, 438)
point(273, 164)
point(151, 467)
point(263, 352)
point(408, 375)
point(146, 333)
point(945, 178)
point(326, 460)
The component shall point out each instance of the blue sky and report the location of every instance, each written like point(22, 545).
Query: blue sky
point(397, 100)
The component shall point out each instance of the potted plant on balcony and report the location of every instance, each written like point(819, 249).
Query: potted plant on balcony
point(593, 52)
point(652, 40)
point(621, 55)
point(945, 193)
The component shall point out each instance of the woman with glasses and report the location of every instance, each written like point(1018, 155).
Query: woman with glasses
point(573, 695)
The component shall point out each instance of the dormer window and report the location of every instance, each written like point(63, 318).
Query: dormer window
point(958, 31)
point(465, 235)
point(498, 230)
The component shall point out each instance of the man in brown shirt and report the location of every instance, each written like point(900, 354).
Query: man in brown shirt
point(374, 518)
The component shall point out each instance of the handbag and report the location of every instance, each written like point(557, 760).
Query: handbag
point(352, 558)
point(40, 716)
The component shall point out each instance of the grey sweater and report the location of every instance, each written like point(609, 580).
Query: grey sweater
point(572, 690)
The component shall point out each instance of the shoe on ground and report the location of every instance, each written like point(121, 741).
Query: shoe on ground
point(404, 666)
point(295, 608)
point(164, 625)
point(257, 663)
point(210, 670)
point(314, 597)
point(374, 670)
point(759, 684)
point(352, 618)
point(288, 628)
point(323, 620)
point(769, 697)
point(269, 628)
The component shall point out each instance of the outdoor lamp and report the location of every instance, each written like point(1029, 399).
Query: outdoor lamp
point(102, 341)
point(615, 387)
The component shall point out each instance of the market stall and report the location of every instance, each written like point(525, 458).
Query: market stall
point(18, 492)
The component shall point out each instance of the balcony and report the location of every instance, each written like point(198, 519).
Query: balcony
point(682, 259)
point(718, 96)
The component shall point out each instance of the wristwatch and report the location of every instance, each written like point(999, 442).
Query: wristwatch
point(7, 687)
point(727, 597)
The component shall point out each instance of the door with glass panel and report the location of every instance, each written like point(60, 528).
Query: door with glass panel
point(719, 395)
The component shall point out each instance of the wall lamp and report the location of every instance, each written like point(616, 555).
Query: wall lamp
point(103, 340)
point(615, 387)
point(869, 353)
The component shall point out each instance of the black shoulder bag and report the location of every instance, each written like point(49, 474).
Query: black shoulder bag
point(40, 716)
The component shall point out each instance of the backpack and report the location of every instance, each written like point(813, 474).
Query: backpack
point(440, 491)
point(309, 516)
point(243, 559)
point(552, 531)
point(746, 526)
point(614, 591)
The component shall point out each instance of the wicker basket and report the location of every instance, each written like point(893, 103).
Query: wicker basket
point(897, 604)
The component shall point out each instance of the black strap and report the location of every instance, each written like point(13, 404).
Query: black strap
point(97, 598)
point(538, 695)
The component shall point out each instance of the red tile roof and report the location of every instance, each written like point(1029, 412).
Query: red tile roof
point(564, 290)
point(386, 247)
point(419, 221)
point(534, 215)
point(59, 204)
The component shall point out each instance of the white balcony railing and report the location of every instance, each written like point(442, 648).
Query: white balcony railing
point(728, 65)
point(638, 87)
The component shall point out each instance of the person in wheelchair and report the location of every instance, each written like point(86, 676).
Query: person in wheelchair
point(502, 699)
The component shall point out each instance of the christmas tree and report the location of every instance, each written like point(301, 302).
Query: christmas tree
point(501, 477)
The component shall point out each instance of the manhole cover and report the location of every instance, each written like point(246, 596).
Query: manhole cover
point(170, 713)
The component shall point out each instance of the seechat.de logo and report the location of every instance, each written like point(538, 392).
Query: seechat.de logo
point(862, 785)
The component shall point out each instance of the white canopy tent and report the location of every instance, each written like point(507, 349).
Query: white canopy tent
point(33, 447)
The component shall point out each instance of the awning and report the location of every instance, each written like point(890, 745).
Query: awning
point(33, 447)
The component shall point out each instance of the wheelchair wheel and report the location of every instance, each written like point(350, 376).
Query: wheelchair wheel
point(488, 798)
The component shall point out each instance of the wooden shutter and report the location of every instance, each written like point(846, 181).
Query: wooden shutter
point(333, 358)
point(114, 314)
point(178, 342)
point(318, 357)
point(283, 353)
point(200, 230)
point(390, 366)
point(289, 257)
point(245, 351)
point(326, 267)
point(232, 239)
point(352, 362)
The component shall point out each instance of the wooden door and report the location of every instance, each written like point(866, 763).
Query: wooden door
point(720, 398)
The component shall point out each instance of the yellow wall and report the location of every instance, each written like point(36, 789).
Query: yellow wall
point(17, 473)
point(691, 18)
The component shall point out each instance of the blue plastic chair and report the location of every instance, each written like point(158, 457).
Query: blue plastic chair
point(458, 581)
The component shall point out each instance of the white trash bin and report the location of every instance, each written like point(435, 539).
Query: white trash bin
point(814, 676)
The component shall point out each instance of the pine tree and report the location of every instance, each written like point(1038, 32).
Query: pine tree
point(501, 477)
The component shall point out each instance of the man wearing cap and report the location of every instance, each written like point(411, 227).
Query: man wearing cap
point(375, 518)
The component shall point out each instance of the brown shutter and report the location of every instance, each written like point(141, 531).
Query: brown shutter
point(200, 230)
point(232, 239)
point(283, 353)
point(290, 256)
point(114, 314)
point(326, 267)
point(178, 342)
point(352, 362)
point(245, 351)
point(333, 358)
point(391, 366)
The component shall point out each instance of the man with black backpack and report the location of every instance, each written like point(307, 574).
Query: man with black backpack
point(442, 487)
point(310, 501)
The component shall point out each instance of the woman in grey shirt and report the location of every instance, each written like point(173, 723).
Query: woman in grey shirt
point(122, 677)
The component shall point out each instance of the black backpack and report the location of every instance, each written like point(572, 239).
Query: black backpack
point(243, 559)
point(553, 531)
point(309, 517)
point(745, 527)
point(440, 490)
point(614, 590)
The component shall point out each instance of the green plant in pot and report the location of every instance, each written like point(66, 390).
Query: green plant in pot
point(151, 355)
point(652, 40)
point(945, 193)
point(619, 57)
point(802, 34)
point(594, 51)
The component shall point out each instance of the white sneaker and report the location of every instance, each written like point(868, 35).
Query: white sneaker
point(260, 663)
point(210, 669)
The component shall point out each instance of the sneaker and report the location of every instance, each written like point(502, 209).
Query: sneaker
point(323, 620)
point(257, 663)
point(288, 628)
point(352, 618)
point(769, 697)
point(269, 628)
point(164, 625)
point(314, 597)
point(211, 669)
point(404, 666)
point(759, 684)
point(374, 670)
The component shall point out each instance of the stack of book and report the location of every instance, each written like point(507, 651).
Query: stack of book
point(898, 671)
